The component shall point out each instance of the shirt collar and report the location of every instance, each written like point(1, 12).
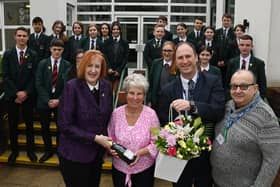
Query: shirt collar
point(205, 68)
point(183, 39)
point(185, 82)
point(165, 62)
point(247, 58)
point(92, 87)
point(58, 60)
point(18, 50)
point(118, 38)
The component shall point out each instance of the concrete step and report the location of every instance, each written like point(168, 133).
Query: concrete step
point(37, 126)
point(22, 159)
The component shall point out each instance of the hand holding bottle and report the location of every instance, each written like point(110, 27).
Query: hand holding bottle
point(103, 140)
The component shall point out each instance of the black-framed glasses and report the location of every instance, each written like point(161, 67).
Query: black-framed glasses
point(241, 86)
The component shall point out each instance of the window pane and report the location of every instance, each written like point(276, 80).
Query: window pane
point(69, 15)
point(188, 1)
point(94, 18)
point(9, 38)
point(141, 8)
point(186, 18)
point(90, 8)
point(142, 1)
point(1, 40)
point(188, 9)
point(94, 1)
point(16, 14)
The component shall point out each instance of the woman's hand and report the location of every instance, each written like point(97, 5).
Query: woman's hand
point(105, 141)
point(138, 154)
point(114, 153)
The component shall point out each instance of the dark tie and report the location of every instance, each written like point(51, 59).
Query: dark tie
point(157, 44)
point(21, 59)
point(95, 93)
point(191, 87)
point(92, 44)
point(166, 65)
point(36, 36)
point(197, 35)
point(204, 71)
point(243, 66)
point(116, 40)
point(54, 74)
point(225, 33)
point(77, 38)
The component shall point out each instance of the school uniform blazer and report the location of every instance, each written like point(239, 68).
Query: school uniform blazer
point(151, 52)
point(224, 52)
point(256, 65)
point(85, 42)
point(215, 71)
point(18, 77)
point(73, 45)
point(209, 98)
point(44, 81)
point(80, 118)
point(215, 50)
point(177, 40)
point(154, 80)
point(117, 63)
point(191, 36)
point(41, 45)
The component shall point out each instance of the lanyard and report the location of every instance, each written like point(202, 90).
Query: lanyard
point(230, 121)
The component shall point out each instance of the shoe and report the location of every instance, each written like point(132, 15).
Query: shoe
point(45, 157)
point(32, 156)
point(12, 158)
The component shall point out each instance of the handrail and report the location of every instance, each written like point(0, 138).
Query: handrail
point(119, 87)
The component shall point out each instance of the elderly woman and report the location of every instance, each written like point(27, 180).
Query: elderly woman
point(163, 71)
point(84, 112)
point(130, 126)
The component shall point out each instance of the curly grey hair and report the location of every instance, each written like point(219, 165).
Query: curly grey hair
point(136, 80)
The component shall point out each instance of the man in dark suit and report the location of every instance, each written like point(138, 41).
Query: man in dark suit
point(248, 62)
point(162, 20)
point(38, 41)
point(19, 66)
point(197, 94)
point(50, 78)
point(197, 33)
point(75, 40)
point(224, 37)
point(153, 47)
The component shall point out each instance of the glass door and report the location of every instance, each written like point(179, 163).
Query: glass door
point(135, 29)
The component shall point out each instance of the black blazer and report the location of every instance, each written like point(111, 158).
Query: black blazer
point(257, 66)
point(209, 98)
point(117, 63)
point(41, 45)
point(224, 44)
point(191, 36)
point(85, 42)
point(18, 77)
point(73, 45)
point(177, 40)
point(215, 50)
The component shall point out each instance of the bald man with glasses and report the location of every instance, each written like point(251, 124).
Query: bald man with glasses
point(246, 147)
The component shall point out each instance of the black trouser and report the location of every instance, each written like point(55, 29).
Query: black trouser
point(45, 120)
point(77, 174)
point(197, 172)
point(13, 118)
point(142, 179)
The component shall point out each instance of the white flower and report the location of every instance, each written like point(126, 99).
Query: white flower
point(187, 129)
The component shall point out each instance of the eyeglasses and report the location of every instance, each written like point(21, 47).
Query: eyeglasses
point(241, 86)
point(167, 50)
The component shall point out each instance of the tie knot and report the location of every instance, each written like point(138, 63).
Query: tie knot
point(116, 39)
point(55, 62)
point(191, 84)
point(166, 65)
point(21, 53)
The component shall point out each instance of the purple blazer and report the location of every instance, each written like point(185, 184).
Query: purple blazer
point(80, 118)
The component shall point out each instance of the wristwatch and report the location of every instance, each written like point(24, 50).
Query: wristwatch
point(193, 108)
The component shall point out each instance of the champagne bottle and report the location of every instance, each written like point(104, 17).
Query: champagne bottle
point(125, 154)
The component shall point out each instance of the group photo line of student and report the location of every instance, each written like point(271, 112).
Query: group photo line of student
point(206, 72)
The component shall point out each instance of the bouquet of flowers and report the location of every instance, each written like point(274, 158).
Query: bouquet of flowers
point(183, 138)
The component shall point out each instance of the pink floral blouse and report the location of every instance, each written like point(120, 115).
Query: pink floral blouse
point(134, 138)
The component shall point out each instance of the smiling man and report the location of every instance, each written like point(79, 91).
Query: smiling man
point(194, 93)
point(247, 144)
point(50, 79)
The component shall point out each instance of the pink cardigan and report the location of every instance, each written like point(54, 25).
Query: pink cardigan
point(134, 138)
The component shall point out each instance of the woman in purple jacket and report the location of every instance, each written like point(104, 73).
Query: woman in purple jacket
point(84, 112)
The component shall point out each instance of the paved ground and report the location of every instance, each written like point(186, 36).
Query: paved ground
point(46, 177)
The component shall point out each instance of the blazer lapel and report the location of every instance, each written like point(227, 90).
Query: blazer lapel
point(198, 85)
point(15, 59)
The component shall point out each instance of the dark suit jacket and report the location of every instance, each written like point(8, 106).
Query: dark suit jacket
point(18, 77)
point(41, 46)
point(224, 44)
point(154, 81)
point(191, 36)
point(209, 98)
point(118, 62)
point(256, 66)
point(151, 52)
point(85, 42)
point(215, 71)
point(177, 40)
point(80, 118)
point(44, 81)
point(73, 45)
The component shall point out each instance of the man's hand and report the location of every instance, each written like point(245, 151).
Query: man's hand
point(181, 105)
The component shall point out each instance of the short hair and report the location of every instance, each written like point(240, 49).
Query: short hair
point(92, 25)
point(227, 15)
point(157, 26)
point(136, 80)
point(209, 27)
point(21, 29)
point(246, 37)
point(247, 71)
point(80, 24)
point(164, 18)
point(37, 20)
point(239, 26)
point(185, 43)
point(87, 59)
point(182, 25)
point(199, 18)
point(57, 43)
point(205, 48)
